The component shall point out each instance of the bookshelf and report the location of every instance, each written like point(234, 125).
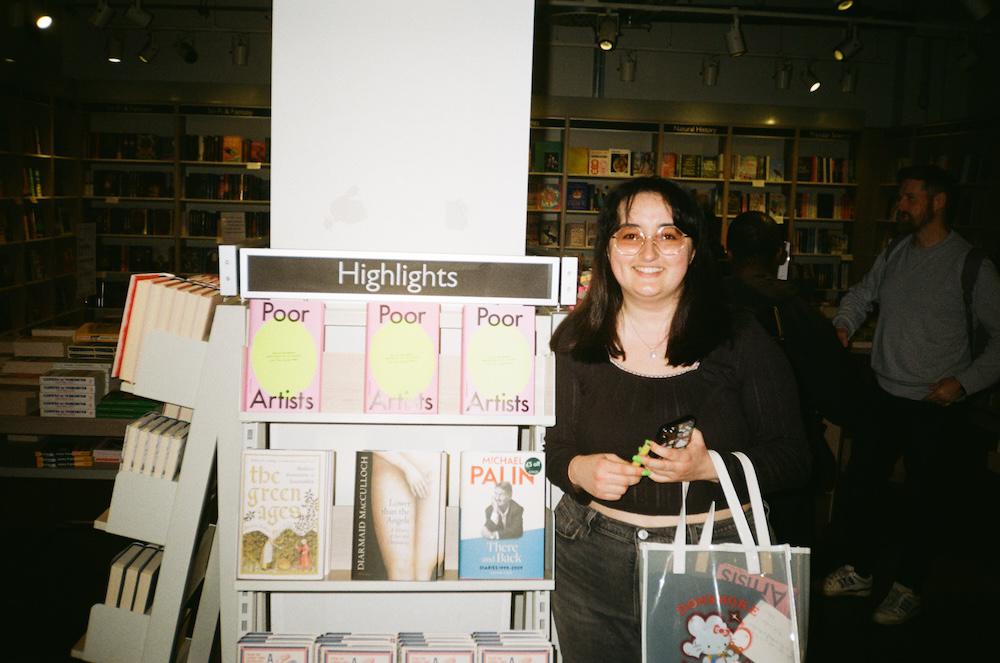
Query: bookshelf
point(728, 159)
point(171, 513)
point(165, 184)
point(447, 604)
point(39, 209)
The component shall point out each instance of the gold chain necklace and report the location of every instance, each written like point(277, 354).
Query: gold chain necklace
point(652, 348)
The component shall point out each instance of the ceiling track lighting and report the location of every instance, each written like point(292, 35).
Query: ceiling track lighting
point(114, 49)
point(240, 51)
point(138, 15)
point(185, 48)
point(811, 79)
point(626, 66)
point(103, 13)
point(849, 46)
point(735, 42)
point(849, 80)
point(710, 71)
point(606, 32)
point(149, 50)
point(41, 17)
point(844, 5)
point(783, 75)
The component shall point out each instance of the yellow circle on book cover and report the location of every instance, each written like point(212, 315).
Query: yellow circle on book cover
point(283, 357)
point(402, 359)
point(499, 361)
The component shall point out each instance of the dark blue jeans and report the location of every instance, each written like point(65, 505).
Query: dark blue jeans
point(596, 604)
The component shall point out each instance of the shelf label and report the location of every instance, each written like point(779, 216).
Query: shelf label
point(758, 184)
point(253, 165)
point(696, 129)
point(306, 274)
point(112, 200)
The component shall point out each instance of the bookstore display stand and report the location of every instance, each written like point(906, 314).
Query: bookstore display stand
point(446, 604)
point(203, 376)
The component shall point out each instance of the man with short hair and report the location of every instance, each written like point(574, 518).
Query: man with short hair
point(504, 516)
point(922, 357)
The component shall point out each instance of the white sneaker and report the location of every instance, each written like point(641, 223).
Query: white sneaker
point(845, 581)
point(899, 606)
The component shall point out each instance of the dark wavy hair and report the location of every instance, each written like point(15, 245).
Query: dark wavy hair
point(701, 322)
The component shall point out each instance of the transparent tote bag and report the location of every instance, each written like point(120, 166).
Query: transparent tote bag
point(728, 602)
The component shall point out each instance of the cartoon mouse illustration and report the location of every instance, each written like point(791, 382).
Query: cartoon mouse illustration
point(713, 642)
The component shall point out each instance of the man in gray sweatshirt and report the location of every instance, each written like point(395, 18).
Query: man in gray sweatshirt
point(923, 361)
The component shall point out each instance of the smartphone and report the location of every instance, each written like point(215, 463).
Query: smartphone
point(677, 433)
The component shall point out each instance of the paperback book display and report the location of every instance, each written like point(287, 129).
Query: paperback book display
point(285, 499)
point(498, 359)
point(399, 507)
point(154, 446)
point(502, 522)
point(132, 579)
point(402, 343)
point(284, 356)
point(67, 392)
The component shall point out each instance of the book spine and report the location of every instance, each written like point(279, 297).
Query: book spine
point(363, 541)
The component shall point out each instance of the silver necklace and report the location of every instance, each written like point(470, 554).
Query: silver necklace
point(652, 348)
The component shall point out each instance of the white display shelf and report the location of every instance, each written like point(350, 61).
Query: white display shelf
point(414, 419)
point(138, 505)
point(113, 636)
point(339, 578)
point(169, 368)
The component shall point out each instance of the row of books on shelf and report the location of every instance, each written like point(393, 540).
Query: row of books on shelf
point(59, 453)
point(821, 275)
point(132, 220)
point(31, 182)
point(212, 223)
point(71, 392)
point(226, 148)
point(401, 358)
point(770, 202)
point(115, 257)
point(707, 166)
point(821, 240)
point(36, 223)
point(826, 170)
point(182, 306)
point(154, 446)
point(227, 187)
point(128, 184)
point(824, 205)
point(120, 145)
point(399, 528)
point(405, 647)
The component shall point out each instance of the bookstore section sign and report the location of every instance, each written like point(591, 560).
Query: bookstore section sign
point(273, 273)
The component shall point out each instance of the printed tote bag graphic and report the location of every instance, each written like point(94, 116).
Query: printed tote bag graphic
point(729, 602)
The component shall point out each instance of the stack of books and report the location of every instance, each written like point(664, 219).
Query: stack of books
point(123, 405)
point(64, 454)
point(65, 392)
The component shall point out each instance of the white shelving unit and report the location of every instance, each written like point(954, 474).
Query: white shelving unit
point(205, 376)
point(336, 602)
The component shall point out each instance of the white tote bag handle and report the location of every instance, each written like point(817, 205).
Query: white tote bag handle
point(756, 501)
point(736, 510)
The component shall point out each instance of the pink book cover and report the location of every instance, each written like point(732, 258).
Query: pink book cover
point(284, 356)
point(402, 344)
point(498, 359)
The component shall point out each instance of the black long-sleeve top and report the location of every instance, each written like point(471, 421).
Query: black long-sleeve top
point(743, 395)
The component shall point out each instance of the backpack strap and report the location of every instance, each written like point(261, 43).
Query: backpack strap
point(970, 271)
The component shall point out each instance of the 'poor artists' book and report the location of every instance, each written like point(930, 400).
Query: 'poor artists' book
point(284, 356)
point(498, 359)
point(285, 499)
point(399, 500)
point(402, 343)
point(502, 522)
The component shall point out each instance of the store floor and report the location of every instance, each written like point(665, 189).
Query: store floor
point(56, 565)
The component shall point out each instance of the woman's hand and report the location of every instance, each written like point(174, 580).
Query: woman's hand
point(418, 482)
point(692, 463)
point(605, 476)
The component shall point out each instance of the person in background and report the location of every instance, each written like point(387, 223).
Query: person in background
point(756, 247)
point(923, 360)
point(652, 342)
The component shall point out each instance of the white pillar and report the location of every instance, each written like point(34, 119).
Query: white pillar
point(401, 125)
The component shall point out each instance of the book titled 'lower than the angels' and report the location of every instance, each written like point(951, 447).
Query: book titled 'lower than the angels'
point(498, 359)
point(502, 523)
point(285, 499)
point(284, 356)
